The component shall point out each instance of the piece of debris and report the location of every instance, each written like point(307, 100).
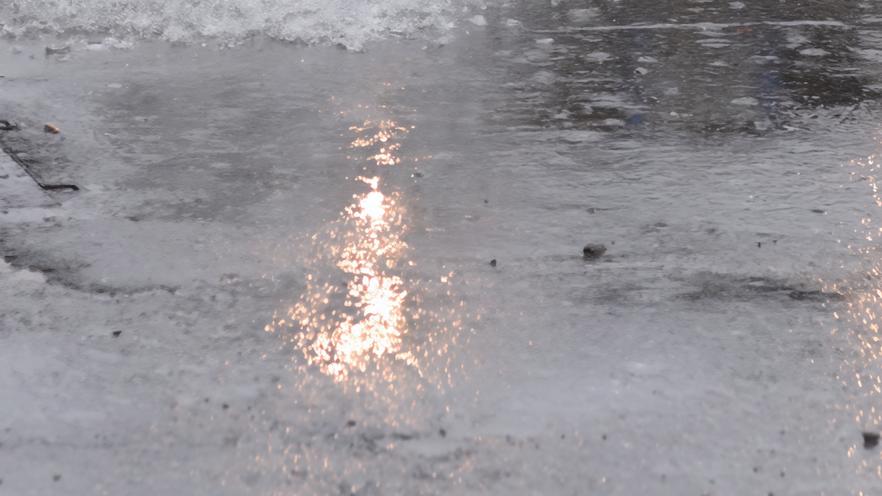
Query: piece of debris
point(493, 263)
point(442, 432)
point(871, 439)
point(51, 128)
point(759, 244)
point(592, 251)
point(57, 50)
point(56, 477)
point(57, 187)
point(819, 211)
point(350, 423)
point(225, 406)
point(7, 126)
point(116, 333)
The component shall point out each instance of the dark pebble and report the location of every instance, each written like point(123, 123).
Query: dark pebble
point(592, 251)
point(819, 211)
point(225, 406)
point(871, 439)
point(493, 263)
point(759, 244)
point(56, 477)
point(442, 432)
point(116, 333)
point(350, 423)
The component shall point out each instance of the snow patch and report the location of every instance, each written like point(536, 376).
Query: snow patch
point(599, 57)
point(814, 52)
point(478, 20)
point(746, 101)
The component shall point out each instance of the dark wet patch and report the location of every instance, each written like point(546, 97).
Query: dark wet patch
point(730, 287)
point(704, 68)
point(67, 274)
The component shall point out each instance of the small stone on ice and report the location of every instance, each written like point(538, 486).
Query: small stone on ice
point(116, 333)
point(871, 439)
point(350, 423)
point(51, 128)
point(493, 263)
point(592, 251)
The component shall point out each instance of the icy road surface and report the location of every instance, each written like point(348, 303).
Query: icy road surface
point(295, 268)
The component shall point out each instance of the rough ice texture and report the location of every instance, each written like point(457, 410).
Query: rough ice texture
point(350, 23)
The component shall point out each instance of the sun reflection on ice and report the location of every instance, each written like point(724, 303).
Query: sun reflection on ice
point(359, 311)
point(350, 341)
point(862, 321)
